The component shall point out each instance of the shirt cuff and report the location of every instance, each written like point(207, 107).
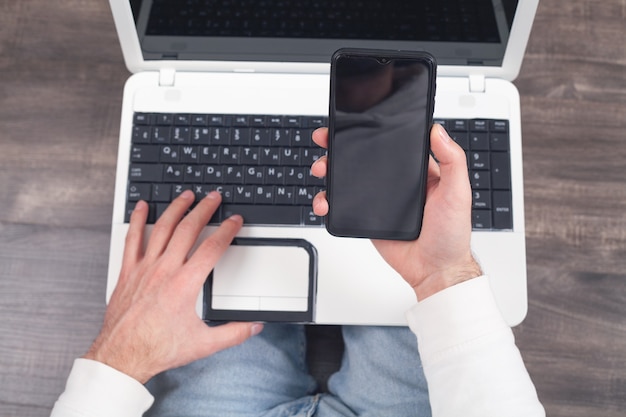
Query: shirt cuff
point(95, 389)
point(455, 316)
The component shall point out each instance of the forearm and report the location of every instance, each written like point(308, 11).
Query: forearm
point(468, 352)
point(97, 390)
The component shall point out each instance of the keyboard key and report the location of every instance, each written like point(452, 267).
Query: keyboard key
point(144, 153)
point(315, 122)
point(479, 160)
point(260, 137)
point(199, 120)
point(139, 191)
point(262, 214)
point(161, 134)
point(275, 121)
point(142, 119)
point(500, 171)
point(169, 154)
point(141, 134)
point(480, 180)
point(479, 141)
point(258, 121)
point(241, 121)
point(240, 136)
point(499, 126)
point(481, 199)
point(499, 141)
point(461, 138)
point(130, 206)
point(481, 219)
point(502, 210)
point(264, 194)
point(161, 193)
point(311, 218)
point(200, 135)
point(243, 194)
point(182, 120)
point(458, 125)
point(180, 135)
point(163, 119)
point(218, 120)
point(173, 173)
point(146, 172)
point(479, 126)
point(285, 195)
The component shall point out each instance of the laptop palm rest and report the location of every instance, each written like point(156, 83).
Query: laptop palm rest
point(261, 279)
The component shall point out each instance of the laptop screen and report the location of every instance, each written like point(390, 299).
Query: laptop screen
point(457, 32)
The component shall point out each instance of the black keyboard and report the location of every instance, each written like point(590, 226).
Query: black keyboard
point(261, 165)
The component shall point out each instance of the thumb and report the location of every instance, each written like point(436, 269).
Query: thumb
point(452, 162)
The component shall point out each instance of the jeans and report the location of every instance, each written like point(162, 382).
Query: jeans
point(380, 375)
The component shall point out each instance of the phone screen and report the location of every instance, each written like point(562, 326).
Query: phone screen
point(381, 109)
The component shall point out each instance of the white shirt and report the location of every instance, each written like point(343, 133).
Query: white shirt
point(468, 352)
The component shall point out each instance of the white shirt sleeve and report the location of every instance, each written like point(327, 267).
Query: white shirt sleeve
point(468, 352)
point(94, 389)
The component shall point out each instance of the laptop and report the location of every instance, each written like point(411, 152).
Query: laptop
point(224, 96)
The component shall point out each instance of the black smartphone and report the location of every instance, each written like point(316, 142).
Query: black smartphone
point(381, 110)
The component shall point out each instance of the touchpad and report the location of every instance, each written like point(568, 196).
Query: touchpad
point(263, 280)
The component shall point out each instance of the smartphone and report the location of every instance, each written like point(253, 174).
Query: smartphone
point(381, 111)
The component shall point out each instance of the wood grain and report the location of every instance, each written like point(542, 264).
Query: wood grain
point(61, 80)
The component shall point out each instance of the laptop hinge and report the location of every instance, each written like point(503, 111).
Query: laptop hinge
point(167, 77)
point(477, 83)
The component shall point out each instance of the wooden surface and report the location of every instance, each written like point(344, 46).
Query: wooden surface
point(61, 78)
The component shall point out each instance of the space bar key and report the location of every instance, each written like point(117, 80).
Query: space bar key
point(253, 214)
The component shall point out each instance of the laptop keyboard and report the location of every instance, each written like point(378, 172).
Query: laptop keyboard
point(261, 166)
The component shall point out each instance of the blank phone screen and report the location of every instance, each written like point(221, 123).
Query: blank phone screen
point(380, 117)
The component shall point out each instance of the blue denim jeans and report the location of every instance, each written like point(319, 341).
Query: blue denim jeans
point(380, 375)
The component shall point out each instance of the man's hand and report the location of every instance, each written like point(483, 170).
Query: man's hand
point(441, 256)
point(151, 323)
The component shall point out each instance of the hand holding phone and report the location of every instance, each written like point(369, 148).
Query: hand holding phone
point(441, 257)
point(381, 108)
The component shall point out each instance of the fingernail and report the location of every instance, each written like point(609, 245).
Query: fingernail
point(237, 218)
point(443, 134)
point(256, 329)
point(188, 195)
point(141, 205)
point(213, 195)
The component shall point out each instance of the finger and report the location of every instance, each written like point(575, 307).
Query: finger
point(134, 238)
point(228, 335)
point(186, 233)
point(133, 247)
point(320, 204)
point(319, 167)
point(209, 252)
point(320, 137)
point(165, 226)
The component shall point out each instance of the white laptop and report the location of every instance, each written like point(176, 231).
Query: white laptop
point(224, 95)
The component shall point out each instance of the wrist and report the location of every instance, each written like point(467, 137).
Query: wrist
point(448, 277)
point(116, 360)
